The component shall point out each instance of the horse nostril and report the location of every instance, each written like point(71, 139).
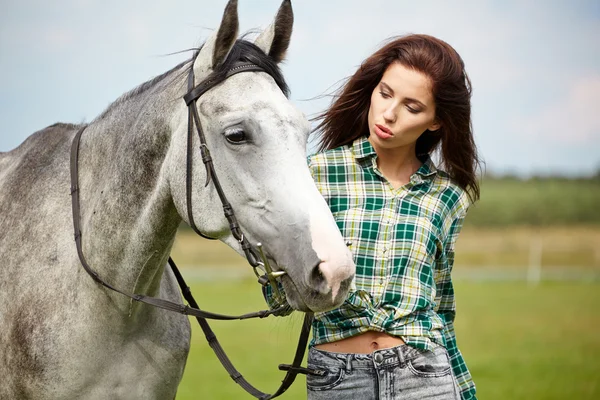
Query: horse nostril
point(316, 276)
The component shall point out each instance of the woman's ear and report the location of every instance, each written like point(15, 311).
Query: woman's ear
point(435, 125)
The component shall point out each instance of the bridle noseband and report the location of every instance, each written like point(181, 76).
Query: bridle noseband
point(255, 255)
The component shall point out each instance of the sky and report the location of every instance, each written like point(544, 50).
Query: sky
point(534, 65)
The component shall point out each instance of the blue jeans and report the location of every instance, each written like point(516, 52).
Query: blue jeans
point(401, 372)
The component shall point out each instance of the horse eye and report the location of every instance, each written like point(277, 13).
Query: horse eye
point(236, 136)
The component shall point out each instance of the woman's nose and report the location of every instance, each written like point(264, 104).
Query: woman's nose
point(390, 114)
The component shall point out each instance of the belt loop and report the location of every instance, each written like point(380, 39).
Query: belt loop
point(401, 356)
point(349, 363)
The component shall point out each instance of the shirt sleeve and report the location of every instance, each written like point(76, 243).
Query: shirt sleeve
point(447, 308)
point(311, 167)
point(272, 303)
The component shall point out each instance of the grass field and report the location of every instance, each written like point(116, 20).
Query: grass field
point(537, 201)
point(520, 341)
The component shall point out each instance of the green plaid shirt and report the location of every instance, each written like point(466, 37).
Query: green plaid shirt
point(403, 246)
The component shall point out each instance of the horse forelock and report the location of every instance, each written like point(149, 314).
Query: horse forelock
point(246, 51)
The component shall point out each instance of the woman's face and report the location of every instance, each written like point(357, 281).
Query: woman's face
point(402, 108)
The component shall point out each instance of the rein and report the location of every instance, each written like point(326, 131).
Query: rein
point(254, 255)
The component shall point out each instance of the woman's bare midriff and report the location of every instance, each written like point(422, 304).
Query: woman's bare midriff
point(365, 343)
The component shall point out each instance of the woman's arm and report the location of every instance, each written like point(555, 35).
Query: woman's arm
point(447, 309)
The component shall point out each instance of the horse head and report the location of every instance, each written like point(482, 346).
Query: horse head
point(257, 140)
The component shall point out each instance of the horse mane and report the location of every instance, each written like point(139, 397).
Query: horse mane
point(242, 50)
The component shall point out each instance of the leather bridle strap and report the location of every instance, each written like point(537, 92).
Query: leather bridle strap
point(189, 168)
point(190, 98)
point(293, 369)
point(252, 255)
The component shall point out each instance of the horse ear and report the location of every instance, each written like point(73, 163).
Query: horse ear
point(274, 40)
point(219, 44)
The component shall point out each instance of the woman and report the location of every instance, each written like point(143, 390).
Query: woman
point(393, 337)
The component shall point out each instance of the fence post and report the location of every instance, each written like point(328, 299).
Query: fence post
point(534, 271)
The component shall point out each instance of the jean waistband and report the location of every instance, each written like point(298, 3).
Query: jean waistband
point(389, 357)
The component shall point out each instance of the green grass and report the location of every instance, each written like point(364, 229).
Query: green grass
point(536, 202)
point(520, 342)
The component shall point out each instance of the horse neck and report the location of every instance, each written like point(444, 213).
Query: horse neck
point(128, 217)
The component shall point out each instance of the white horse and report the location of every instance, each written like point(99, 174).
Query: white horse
point(62, 335)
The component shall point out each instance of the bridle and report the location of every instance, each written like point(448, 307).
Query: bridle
point(262, 268)
point(255, 256)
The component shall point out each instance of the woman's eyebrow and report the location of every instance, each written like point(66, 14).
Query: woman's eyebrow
point(387, 88)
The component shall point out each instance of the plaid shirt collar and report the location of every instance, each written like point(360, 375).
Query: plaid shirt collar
point(363, 150)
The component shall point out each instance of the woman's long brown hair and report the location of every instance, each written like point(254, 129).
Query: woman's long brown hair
point(347, 118)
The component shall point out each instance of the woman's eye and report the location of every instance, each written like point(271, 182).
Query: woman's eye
point(412, 110)
point(385, 95)
point(236, 136)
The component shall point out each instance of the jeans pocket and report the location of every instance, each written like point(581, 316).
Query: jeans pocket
point(431, 363)
point(328, 378)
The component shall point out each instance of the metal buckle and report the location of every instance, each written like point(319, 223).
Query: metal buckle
point(269, 275)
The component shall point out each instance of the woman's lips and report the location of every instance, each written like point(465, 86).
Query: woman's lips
point(382, 132)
